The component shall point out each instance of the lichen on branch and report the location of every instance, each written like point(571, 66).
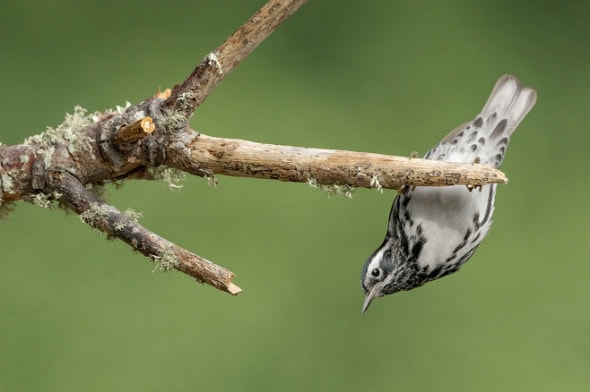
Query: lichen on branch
point(66, 166)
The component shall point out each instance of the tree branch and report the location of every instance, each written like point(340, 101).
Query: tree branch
point(232, 157)
point(187, 96)
point(124, 226)
point(64, 165)
point(134, 132)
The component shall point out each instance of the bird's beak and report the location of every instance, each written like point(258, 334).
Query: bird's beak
point(369, 298)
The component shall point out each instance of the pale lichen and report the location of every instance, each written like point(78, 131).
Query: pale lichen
point(133, 215)
point(47, 153)
point(212, 59)
point(172, 178)
point(171, 121)
point(374, 183)
point(186, 99)
point(167, 261)
point(211, 181)
point(138, 115)
point(6, 183)
point(67, 132)
point(97, 189)
point(94, 214)
point(333, 189)
point(42, 200)
point(120, 109)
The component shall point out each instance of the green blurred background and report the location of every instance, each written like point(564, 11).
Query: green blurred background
point(80, 313)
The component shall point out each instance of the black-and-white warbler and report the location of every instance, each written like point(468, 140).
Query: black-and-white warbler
point(432, 231)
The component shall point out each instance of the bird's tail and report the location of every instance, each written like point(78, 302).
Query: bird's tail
point(510, 101)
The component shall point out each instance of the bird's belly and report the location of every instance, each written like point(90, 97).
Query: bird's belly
point(453, 219)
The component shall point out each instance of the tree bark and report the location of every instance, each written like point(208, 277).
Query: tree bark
point(64, 166)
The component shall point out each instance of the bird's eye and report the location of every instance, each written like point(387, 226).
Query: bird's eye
point(376, 273)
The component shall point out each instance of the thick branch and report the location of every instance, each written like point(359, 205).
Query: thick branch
point(187, 96)
point(212, 155)
point(123, 144)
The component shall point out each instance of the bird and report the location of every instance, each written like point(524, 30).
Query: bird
point(433, 231)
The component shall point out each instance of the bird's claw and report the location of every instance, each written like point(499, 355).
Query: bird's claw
point(402, 190)
point(472, 187)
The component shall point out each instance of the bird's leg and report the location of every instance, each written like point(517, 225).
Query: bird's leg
point(402, 190)
point(476, 161)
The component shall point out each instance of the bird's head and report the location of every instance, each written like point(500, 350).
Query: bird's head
point(387, 271)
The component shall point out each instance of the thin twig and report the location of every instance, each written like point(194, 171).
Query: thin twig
point(187, 96)
point(124, 226)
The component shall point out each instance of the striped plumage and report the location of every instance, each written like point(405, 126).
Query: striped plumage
point(433, 231)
